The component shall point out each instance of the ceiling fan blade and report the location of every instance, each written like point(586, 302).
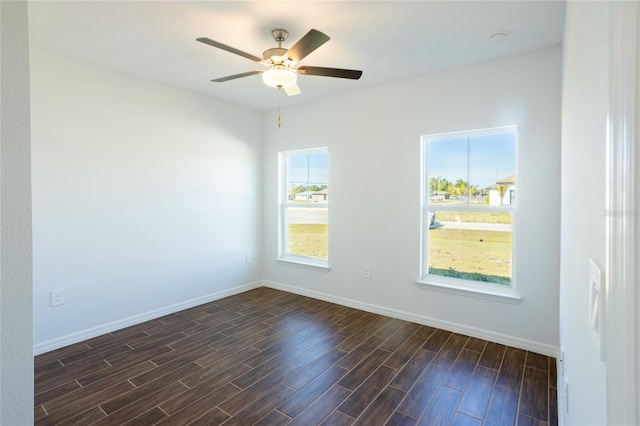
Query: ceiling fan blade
point(233, 77)
point(219, 45)
point(330, 72)
point(307, 44)
point(292, 90)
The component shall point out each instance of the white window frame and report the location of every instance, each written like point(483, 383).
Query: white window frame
point(461, 286)
point(283, 222)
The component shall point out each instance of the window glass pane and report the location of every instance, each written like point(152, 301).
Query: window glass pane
point(492, 168)
point(304, 225)
point(307, 177)
point(318, 168)
point(447, 171)
point(308, 232)
point(471, 245)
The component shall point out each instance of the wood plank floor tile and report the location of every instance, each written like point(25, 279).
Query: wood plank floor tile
point(437, 340)
point(476, 398)
point(53, 356)
point(314, 352)
point(442, 408)
point(463, 420)
point(553, 406)
point(405, 352)
point(59, 413)
point(116, 372)
point(272, 351)
point(353, 323)
point(412, 370)
point(163, 370)
point(423, 391)
point(106, 351)
point(512, 369)
point(337, 418)
point(222, 358)
point(450, 351)
point(475, 344)
point(534, 401)
point(66, 373)
point(530, 421)
point(151, 417)
point(39, 412)
point(238, 403)
point(553, 373)
point(261, 407)
point(274, 418)
point(364, 395)
point(142, 406)
point(56, 392)
point(502, 408)
point(382, 408)
point(267, 357)
point(492, 355)
point(401, 419)
point(361, 371)
point(315, 413)
point(425, 331)
point(356, 339)
point(226, 369)
point(212, 418)
point(304, 375)
point(202, 389)
point(361, 352)
point(147, 389)
point(265, 369)
point(86, 393)
point(312, 390)
point(391, 328)
point(399, 337)
point(462, 370)
point(538, 361)
point(197, 409)
point(85, 418)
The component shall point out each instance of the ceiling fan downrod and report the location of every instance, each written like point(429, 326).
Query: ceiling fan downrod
point(279, 35)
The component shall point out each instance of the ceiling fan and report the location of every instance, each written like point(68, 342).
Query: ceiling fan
point(281, 72)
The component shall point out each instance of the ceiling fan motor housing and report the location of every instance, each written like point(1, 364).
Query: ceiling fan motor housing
point(274, 56)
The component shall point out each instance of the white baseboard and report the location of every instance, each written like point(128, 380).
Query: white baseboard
point(513, 341)
point(492, 336)
point(79, 336)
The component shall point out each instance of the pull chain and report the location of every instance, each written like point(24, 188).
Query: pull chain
point(279, 95)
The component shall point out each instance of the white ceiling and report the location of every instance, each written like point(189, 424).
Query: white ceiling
point(389, 40)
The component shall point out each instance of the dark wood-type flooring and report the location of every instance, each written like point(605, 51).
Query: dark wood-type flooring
point(268, 357)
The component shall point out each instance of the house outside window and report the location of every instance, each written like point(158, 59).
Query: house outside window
point(304, 207)
point(468, 208)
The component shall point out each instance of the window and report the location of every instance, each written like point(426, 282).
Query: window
point(304, 207)
point(468, 209)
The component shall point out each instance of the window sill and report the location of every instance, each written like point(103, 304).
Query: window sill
point(469, 288)
point(318, 265)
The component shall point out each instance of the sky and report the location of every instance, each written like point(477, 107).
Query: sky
point(308, 167)
point(480, 160)
point(487, 159)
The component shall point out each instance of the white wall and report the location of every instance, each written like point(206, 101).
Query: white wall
point(145, 198)
point(584, 112)
point(373, 138)
point(16, 336)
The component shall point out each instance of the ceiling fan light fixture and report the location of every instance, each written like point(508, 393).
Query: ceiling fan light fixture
point(279, 77)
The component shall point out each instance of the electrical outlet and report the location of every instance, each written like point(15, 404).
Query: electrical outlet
point(57, 297)
point(366, 272)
